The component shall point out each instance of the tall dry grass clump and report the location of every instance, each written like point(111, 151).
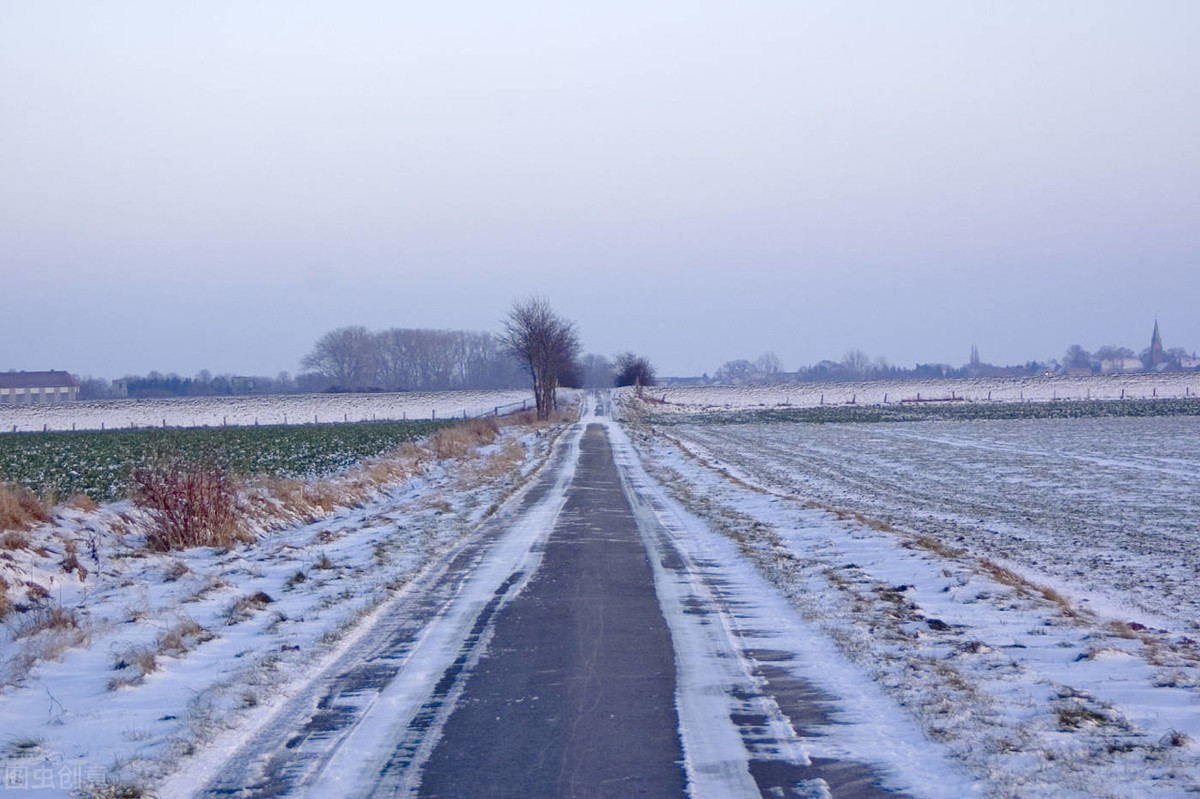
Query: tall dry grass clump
point(6, 605)
point(20, 508)
point(192, 504)
point(457, 441)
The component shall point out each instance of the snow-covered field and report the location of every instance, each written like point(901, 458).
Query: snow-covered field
point(693, 399)
point(1027, 590)
point(992, 607)
point(251, 410)
point(135, 659)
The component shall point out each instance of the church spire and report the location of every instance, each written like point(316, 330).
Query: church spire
point(1157, 356)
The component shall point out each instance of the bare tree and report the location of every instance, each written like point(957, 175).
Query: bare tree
point(544, 343)
point(768, 363)
point(857, 364)
point(735, 372)
point(634, 370)
point(347, 356)
point(597, 371)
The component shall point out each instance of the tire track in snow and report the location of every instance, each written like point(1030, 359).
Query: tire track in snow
point(338, 734)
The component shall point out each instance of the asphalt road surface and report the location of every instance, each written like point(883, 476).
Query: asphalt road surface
point(576, 695)
point(575, 646)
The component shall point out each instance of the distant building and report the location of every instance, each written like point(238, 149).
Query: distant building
point(1120, 366)
point(1157, 356)
point(24, 388)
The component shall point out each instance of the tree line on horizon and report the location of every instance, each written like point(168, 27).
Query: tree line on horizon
point(856, 365)
point(537, 349)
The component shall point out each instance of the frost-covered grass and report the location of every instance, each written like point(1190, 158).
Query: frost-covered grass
point(698, 399)
point(99, 464)
point(936, 411)
point(1024, 589)
point(1106, 506)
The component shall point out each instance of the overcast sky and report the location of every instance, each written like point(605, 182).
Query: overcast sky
point(214, 185)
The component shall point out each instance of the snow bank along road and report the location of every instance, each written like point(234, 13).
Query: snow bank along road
point(593, 640)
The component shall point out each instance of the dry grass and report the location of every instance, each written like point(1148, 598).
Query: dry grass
point(115, 790)
point(174, 571)
point(70, 562)
point(20, 509)
point(48, 618)
point(6, 605)
point(192, 505)
point(13, 540)
point(178, 640)
point(142, 659)
point(277, 501)
point(82, 502)
point(457, 441)
point(245, 607)
point(938, 547)
point(1074, 716)
point(45, 633)
point(1027, 588)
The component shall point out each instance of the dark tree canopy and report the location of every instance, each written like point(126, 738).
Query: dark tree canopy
point(634, 370)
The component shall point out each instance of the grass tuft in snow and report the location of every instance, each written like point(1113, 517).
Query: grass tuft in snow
point(245, 607)
point(20, 509)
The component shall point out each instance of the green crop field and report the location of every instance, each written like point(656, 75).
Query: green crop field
point(98, 464)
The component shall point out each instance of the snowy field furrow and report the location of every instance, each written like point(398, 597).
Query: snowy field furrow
point(1025, 590)
point(258, 410)
point(1105, 509)
point(693, 399)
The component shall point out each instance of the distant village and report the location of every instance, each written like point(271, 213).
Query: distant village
point(54, 386)
point(857, 365)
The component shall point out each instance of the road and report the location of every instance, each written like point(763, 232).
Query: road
point(581, 644)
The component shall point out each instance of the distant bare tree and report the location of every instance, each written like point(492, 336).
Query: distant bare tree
point(856, 363)
point(634, 370)
point(597, 371)
point(347, 356)
point(735, 372)
point(544, 343)
point(768, 363)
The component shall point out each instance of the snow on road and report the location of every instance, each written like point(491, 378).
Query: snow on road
point(743, 653)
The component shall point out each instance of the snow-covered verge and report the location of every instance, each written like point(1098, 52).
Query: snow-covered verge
point(1038, 685)
point(116, 662)
point(699, 399)
point(261, 410)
